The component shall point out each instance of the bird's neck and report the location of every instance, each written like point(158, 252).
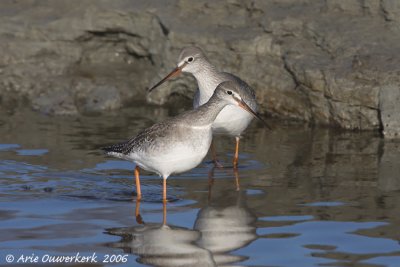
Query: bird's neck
point(208, 112)
point(207, 79)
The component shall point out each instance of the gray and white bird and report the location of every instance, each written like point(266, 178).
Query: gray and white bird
point(232, 120)
point(180, 143)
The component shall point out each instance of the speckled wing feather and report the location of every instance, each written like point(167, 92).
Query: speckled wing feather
point(141, 141)
point(117, 148)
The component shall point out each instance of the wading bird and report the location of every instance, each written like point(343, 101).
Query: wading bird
point(180, 143)
point(232, 120)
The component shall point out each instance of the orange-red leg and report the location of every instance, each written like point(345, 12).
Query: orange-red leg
point(236, 157)
point(210, 182)
point(235, 170)
point(164, 201)
point(139, 219)
point(137, 181)
point(164, 213)
point(214, 155)
point(164, 190)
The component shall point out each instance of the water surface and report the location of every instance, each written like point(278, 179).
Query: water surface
point(301, 196)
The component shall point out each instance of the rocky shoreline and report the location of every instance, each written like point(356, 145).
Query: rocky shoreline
point(324, 62)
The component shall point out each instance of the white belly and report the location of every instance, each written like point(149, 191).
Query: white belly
point(177, 158)
point(232, 120)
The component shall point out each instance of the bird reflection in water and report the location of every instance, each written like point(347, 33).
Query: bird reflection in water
point(224, 225)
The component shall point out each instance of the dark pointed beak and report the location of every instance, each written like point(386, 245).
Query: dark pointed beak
point(173, 73)
point(244, 106)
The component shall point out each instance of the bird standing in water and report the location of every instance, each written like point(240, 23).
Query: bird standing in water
point(232, 120)
point(180, 143)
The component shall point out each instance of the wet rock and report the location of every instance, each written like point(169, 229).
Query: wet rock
point(308, 60)
point(98, 98)
point(26, 187)
point(67, 45)
point(388, 170)
point(389, 103)
point(48, 189)
point(58, 102)
point(323, 62)
point(390, 10)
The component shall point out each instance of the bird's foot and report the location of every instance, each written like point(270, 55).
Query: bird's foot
point(139, 219)
point(218, 164)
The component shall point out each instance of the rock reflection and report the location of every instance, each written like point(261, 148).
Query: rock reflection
point(388, 167)
point(224, 225)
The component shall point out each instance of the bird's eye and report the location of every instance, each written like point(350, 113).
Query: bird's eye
point(229, 92)
point(190, 59)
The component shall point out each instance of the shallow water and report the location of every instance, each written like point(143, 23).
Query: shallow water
point(306, 197)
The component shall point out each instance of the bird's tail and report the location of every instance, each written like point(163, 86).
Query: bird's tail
point(115, 149)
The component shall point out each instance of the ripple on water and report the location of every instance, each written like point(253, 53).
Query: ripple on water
point(114, 165)
point(254, 192)
point(32, 152)
point(325, 204)
point(309, 237)
point(388, 261)
point(291, 218)
point(5, 147)
point(13, 167)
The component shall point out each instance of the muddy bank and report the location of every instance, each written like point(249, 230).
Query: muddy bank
point(331, 63)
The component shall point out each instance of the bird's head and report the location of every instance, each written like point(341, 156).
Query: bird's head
point(232, 93)
point(190, 60)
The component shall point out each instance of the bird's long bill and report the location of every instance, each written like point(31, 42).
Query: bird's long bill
point(173, 73)
point(244, 106)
